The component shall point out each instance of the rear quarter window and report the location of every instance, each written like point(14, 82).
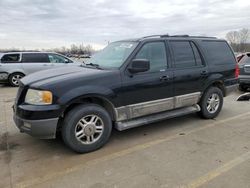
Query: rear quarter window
point(218, 52)
point(10, 58)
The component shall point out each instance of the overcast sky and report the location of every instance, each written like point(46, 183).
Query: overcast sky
point(33, 24)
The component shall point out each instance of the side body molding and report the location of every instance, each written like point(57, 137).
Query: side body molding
point(156, 106)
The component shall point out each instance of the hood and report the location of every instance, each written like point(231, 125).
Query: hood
point(58, 74)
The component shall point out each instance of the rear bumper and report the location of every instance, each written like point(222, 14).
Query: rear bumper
point(230, 89)
point(43, 129)
point(4, 77)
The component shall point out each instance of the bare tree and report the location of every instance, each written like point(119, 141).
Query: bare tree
point(233, 38)
point(243, 38)
point(239, 39)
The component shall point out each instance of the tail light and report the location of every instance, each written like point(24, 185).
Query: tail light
point(237, 71)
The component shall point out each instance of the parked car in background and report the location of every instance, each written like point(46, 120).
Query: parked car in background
point(128, 84)
point(241, 55)
point(15, 65)
point(244, 77)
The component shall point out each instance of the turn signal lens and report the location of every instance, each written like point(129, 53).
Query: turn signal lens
point(47, 97)
point(38, 97)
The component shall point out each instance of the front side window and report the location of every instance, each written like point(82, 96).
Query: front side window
point(114, 55)
point(183, 54)
point(155, 52)
point(35, 58)
point(10, 58)
point(54, 58)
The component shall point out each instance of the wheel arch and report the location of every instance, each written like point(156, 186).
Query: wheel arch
point(94, 99)
point(216, 83)
point(14, 72)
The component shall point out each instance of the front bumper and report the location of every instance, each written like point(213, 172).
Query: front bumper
point(43, 129)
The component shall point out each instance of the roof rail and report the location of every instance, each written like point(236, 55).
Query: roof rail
point(179, 36)
point(166, 35)
point(204, 37)
point(152, 36)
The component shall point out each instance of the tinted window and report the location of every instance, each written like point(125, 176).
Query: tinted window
point(54, 58)
point(10, 58)
point(197, 55)
point(35, 58)
point(183, 54)
point(155, 52)
point(218, 52)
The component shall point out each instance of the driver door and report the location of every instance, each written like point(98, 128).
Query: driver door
point(151, 91)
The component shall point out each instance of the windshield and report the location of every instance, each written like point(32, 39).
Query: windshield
point(114, 55)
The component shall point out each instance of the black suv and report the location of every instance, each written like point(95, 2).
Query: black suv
point(128, 84)
point(244, 77)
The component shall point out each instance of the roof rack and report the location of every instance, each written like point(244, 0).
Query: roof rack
point(152, 36)
point(166, 35)
point(179, 36)
point(203, 37)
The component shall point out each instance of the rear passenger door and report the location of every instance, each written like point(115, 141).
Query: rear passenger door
point(190, 72)
point(33, 62)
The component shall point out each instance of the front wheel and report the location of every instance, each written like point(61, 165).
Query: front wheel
point(86, 128)
point(211, 103)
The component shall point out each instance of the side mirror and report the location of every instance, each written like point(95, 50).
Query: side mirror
point(139, 65)
point(66, 61)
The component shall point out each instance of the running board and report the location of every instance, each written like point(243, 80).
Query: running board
point(123, 125)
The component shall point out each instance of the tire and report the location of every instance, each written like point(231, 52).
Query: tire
point(242, 88)
point(81, 134)
point(14, 79)
point(214, 96)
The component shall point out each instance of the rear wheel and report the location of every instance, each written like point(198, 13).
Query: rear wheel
point(211, 103)
point(86, 128)
point(14, 79)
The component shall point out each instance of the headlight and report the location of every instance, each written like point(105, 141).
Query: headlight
point(38, 97)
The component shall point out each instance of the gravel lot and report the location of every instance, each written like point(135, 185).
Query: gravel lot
point(181, 152)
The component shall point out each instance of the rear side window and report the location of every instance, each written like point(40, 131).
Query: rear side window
point(35, 58)
point(196, 55)
point(218, 52)
point(10, 58)
point(186, 54)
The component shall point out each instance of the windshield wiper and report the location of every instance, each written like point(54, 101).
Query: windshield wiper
point(94, 65)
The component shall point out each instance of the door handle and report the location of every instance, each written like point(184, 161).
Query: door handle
point(164, 78)
point(204, 73)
